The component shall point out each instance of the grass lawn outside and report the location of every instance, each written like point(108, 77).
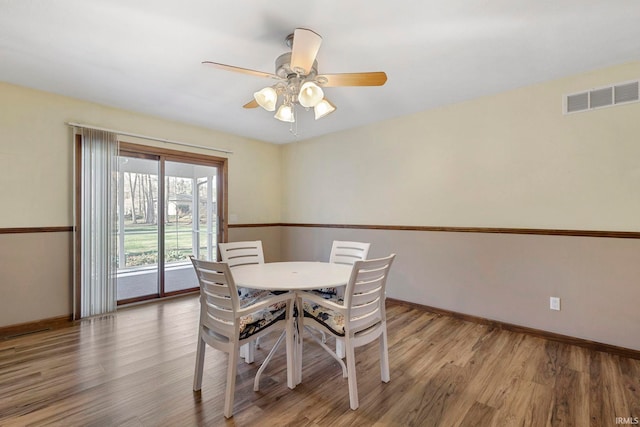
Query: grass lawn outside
point(141, 243)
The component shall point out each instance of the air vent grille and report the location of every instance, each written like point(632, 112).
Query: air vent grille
point(621, 93)
point(601, 97)
point(627, 92)
point(578, 102)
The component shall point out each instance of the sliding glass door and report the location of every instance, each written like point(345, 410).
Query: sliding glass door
point(168, 209)
point(190, 221)
point(138, 228)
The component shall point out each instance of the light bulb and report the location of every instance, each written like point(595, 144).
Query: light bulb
point(266, 98)
point(285, 113)
point(323, 108)
point(310, 94)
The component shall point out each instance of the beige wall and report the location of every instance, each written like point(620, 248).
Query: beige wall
point(36, 183)
point(36, 157)
point(504, 277)
point(270, 236)
point(35, 276)
point(510, 160)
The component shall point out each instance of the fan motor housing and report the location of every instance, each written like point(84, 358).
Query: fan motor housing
point(283, 67)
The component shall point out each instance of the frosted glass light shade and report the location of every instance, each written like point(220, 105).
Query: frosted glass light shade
point(266, 98)
point(323, 108)
point(310, 94)
point(285, 114)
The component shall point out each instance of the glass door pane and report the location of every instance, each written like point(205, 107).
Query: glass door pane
point(137, 228)
point(190, 212)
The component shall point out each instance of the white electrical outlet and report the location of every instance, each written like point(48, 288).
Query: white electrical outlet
point(554, 303)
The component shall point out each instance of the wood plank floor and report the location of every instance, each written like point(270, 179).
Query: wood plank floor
point(135, 368)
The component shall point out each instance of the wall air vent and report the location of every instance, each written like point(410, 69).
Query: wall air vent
point(577, 102)
point(627, 92)
point(601, 97)
point(621, 93)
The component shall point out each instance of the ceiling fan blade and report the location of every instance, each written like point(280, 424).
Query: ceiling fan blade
point(306, 44)
point(251, 104)
point(242, 70)
point(375, 78)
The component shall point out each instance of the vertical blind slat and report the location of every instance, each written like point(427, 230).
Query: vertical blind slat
point(98, 204)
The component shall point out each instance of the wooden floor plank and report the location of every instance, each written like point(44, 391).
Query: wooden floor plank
point(135, 369)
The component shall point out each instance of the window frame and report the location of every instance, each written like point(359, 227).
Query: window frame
point(162, 155)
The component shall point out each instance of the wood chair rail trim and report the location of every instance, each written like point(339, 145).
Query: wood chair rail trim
point(500, 230)
point(21, 230)
point(531, 231)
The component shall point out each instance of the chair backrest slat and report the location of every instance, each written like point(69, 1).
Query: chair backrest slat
point(363, 313)
point(343, 252)
point(365, 293)
point(218, 297)
point(242, 253)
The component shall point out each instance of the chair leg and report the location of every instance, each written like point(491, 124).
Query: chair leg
point(340, 348)
point(351, 375)
point(249, 351)
point(298, 330)
point(292, 366)
point(384, 356)
point(231, 381)
point(197, 376)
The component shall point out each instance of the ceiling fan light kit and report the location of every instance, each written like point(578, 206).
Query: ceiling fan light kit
point(285, 113)
point(299, 81)
point(323, 108)
point(310, 94)
point(266, 98)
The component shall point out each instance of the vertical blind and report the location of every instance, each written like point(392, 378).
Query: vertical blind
point(98, 222)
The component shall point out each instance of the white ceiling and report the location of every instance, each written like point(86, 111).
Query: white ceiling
point(145, 56)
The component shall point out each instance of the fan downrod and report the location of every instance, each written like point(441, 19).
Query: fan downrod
point(288, 41)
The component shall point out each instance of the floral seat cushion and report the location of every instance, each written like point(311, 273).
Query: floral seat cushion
point(253, 323)
point(326, 293)
point(252, 294)
point(327, 317)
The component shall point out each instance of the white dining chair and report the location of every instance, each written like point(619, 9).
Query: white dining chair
point(342, 252)
point(358, 320)
point(237, 254)
point(226, 323)
point(242, 253)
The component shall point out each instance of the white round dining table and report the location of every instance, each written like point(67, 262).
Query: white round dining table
point(292, 276)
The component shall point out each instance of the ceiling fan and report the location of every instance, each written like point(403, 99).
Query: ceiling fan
point(298, 81)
